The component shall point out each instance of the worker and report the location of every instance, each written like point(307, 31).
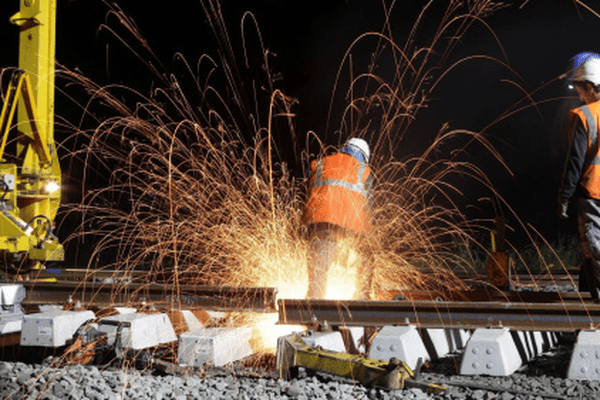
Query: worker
point(338, 208)
point(581, 178)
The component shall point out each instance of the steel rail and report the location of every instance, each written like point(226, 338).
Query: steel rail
point(81, 274)
point(538, 278)
point(98, 294)
point(487, 294)
point(564, 317)
point(533, 277)
point(107, 275)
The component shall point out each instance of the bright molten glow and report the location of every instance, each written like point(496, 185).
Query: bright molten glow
point(292, 282)
point(343, 274)
point(290, 278)
point(265, 331)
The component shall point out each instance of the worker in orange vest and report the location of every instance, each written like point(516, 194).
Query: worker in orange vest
point(338, 206)
point(581, 177)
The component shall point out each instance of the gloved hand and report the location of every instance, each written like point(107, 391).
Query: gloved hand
point(563, 206)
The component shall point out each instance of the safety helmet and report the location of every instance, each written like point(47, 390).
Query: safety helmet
point(585, 67)
point(360, 145)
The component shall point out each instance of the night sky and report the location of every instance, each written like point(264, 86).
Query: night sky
point(310, 38)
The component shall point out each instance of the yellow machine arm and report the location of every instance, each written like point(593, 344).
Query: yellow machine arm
point(293, 352)
point(30, 174)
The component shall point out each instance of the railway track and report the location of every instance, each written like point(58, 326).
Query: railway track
point(77, 274)
point(547, 311)
point(97, 294)
point(484, 307)
point(566, 316)
point(526, 312)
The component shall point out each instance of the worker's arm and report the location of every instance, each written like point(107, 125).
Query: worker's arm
point(576, 155)
point(575, 160)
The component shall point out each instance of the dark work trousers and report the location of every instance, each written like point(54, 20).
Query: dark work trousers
point(589, 236)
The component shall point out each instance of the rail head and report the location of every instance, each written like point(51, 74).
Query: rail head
point(565, 317)
point(100, 294)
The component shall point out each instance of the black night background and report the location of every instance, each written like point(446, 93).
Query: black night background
point(513, 94)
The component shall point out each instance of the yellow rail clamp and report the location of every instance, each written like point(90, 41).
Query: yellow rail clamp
point(293, 352)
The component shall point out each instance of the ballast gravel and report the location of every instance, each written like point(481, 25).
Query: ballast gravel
point(541, 379)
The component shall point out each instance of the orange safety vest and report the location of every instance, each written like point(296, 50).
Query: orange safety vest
point(339, 193)
point(590, 177)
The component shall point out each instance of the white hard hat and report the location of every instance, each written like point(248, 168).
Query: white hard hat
point(585, 67)
point(361, 145)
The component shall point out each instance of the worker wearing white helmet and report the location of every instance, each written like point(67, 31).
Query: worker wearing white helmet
point(357, 148)
point(338, 207)
point(581, 177)
point(585, 67)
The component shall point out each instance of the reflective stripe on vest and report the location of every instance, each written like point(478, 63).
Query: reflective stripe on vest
point(355, 187)
point(593, 134)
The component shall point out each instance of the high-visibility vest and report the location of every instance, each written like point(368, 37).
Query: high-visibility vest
point(590, 176)
point(339, 191)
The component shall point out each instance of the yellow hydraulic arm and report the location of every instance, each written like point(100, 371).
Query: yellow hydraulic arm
point(30, 174)
point(293, 352)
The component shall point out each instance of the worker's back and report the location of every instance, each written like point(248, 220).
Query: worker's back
point(339, 189)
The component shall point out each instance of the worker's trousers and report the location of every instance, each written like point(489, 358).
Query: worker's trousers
point(322, 253)
point(589, 236)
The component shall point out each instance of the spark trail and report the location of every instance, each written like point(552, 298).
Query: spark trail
point(192, 182)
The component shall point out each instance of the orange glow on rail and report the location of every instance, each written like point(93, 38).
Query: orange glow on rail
point(266, 331)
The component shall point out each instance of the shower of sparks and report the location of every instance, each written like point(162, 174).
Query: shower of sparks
point(189, 180)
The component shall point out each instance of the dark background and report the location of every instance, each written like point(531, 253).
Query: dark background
point(309, 40)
